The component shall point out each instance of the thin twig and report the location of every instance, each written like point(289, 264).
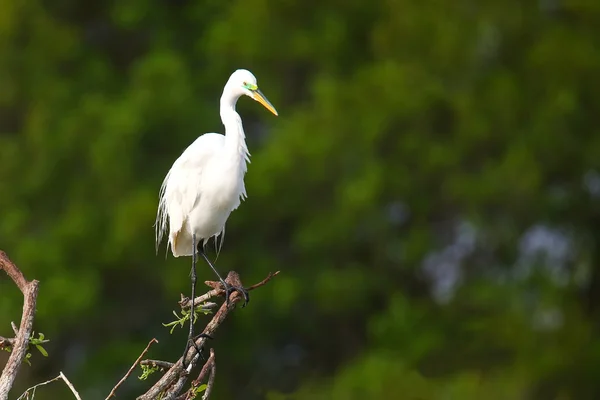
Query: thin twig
point(211, 381)
point(19, 350)
point(70, 386)
point(14, 328)
point(36, 386)
point(157, 363)
point(207, 365)
point(264, 281)
point(60, 376)
point(112, 392)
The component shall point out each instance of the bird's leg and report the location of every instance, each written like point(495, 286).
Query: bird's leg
point(192, 309)
point(228, 288)
point(199, 348)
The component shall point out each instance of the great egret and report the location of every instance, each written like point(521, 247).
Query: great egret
point(206, 183)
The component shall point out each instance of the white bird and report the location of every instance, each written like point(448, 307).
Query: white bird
point(206, 183)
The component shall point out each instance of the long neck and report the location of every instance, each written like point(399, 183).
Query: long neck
point(235, 140)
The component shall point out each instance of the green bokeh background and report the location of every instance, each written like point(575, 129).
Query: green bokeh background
point(430, 192)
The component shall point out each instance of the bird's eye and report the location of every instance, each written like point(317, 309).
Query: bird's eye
point(245, 84)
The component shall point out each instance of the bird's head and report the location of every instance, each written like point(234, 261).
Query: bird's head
point(243, 82)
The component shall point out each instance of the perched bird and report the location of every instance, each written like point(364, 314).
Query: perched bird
point(206, 183)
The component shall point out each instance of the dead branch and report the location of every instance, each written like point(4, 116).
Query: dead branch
point(211, 380)
point(217, 291)
point(112, 392)
point(70, 385)
point(175, 378)
point(60, 376)
point(21, 341)
point(209, 363)
point(208, 366)
point(157, 363)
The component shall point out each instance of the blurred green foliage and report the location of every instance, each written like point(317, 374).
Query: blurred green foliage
point(430, 192)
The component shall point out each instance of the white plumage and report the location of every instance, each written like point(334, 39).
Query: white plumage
point(206, 183)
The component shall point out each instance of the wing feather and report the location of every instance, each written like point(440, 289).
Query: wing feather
point(181, 188)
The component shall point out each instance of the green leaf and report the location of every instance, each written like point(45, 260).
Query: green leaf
point(42, 350)
point(147, 371)
point(201, 388)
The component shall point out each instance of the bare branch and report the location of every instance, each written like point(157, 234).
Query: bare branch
point(157, 363)
point(64, 378)
point(211, 380)
point(14, 328)
point(14, 273)
point(198, 301)
point(33, 388)
point(217, 291)
point(21, 343)
point(264, 281)
point(208, 366)
point(112, 392)
point(60, 376)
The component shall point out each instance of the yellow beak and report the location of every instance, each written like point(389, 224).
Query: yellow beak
point(258, 96)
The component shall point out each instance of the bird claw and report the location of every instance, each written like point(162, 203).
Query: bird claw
point(192, 343)
point(230, 289)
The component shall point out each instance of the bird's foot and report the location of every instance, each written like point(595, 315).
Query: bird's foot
point(230, 289)
point(192, 343)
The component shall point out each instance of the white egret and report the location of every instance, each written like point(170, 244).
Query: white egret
point(206, 183)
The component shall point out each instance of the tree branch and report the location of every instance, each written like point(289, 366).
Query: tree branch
point(158, 363)
point(211, 380)
point(217, 291)
point(211, 366)
point(21, 341)
point(62, 376)
point(70, 385)
point(174, 379)
point(112, 392)
point(208, 366)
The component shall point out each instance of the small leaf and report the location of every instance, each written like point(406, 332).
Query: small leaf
point(42, 350)
point(147, 371)
point(201, 388)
